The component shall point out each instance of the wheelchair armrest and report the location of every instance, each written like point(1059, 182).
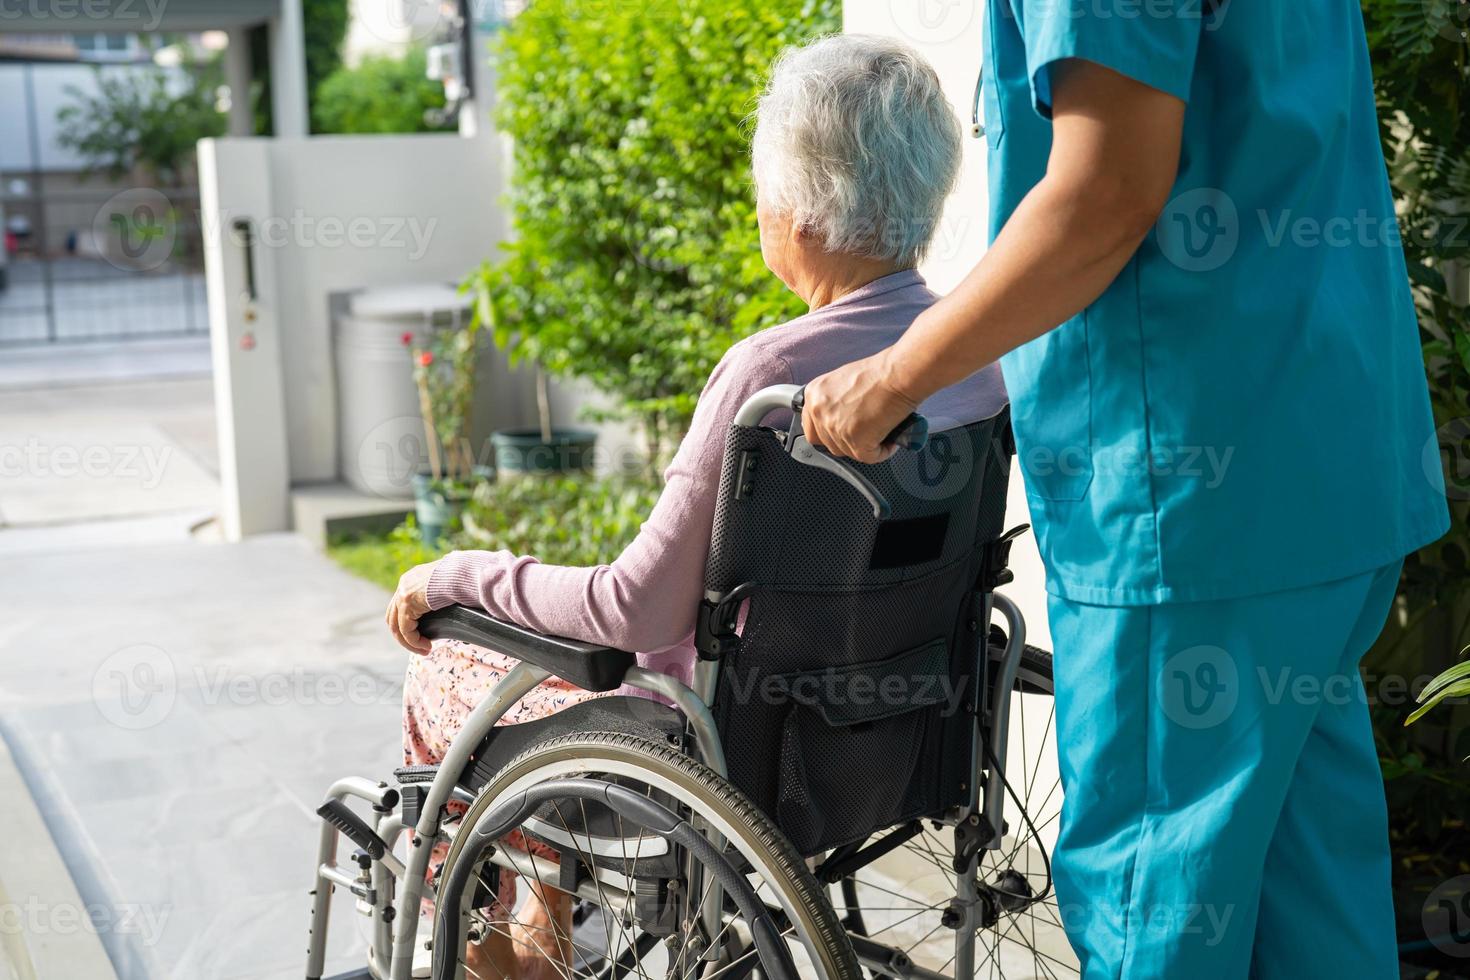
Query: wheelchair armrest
point(587, 665)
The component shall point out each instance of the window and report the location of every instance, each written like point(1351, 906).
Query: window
point(106, 46)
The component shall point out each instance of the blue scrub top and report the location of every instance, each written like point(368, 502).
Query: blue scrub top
point(1245, 409)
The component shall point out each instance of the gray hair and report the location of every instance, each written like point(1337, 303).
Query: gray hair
point(856, 141)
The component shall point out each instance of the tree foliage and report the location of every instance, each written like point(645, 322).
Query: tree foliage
point(383, 94)
point(636, 260)
point(148, 119)
point(324, 28)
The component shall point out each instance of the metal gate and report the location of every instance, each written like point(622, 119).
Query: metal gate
point(86, 258)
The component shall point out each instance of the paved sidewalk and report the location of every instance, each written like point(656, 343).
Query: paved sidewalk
point(177, 747)
point(46, 930)
point(70, 455)
point(175, 707)
point(49, 366)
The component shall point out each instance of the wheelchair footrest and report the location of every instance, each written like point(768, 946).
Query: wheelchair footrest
point(353, 827)
point(409, 775)
point(413, 782)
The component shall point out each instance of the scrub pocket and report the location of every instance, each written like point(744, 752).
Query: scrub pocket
point(1050, 381)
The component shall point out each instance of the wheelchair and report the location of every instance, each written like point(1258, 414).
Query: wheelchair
point(833, 796)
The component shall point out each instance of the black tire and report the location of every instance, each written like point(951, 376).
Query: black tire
point(749, 831)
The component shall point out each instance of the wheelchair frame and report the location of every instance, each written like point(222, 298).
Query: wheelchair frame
point(383, 876)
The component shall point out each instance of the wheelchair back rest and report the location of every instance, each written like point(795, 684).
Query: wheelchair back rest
point(846, 705)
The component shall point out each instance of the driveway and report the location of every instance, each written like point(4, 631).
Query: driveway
point(176, 707)
point(177, 748)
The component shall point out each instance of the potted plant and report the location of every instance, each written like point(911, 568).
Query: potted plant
point(545, 449)
point(444, 365)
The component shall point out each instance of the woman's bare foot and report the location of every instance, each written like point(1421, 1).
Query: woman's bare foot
point(494, 959)
point(542, 935)
point(535, 946)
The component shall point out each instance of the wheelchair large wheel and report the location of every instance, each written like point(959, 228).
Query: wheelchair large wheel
point(649, 906)
point(900, 907)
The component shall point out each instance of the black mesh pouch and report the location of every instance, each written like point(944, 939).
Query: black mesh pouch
point(847, 704)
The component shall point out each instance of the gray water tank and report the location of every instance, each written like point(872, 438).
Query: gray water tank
point(380, 432)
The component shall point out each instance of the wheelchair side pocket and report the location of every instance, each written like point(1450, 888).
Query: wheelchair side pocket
point(851, 745)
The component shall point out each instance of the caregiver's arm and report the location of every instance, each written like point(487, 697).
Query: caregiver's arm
point(1114, 156)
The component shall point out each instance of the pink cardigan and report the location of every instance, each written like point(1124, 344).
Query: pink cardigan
point(646, 599)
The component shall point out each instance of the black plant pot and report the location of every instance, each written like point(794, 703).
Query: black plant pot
point(524, 452)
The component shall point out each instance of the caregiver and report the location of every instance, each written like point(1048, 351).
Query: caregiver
point(1194, 259)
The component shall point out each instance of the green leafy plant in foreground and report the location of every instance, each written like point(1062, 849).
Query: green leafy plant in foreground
point(1453, 683)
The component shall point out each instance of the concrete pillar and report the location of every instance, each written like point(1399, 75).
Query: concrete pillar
point(245, 337)
point(237, 77)
point(288, 71)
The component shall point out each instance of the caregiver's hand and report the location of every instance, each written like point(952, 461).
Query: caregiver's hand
point(409, 603)
point(850, 411)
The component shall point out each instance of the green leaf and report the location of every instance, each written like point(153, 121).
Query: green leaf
point(1450, 676)
point(633, 263)
point(1427, 701)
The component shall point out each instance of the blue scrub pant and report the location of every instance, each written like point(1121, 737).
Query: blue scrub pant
point(1224, 812)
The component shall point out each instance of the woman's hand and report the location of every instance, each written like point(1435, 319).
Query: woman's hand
point(409, 603)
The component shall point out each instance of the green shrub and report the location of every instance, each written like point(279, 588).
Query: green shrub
point(381, 95)
point(1421, 68)
point(324, 27)
point(636, 259)
point(562, 520)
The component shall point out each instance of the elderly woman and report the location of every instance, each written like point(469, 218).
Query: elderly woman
point(855, 150)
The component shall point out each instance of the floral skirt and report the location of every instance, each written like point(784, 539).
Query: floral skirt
point(441, 689)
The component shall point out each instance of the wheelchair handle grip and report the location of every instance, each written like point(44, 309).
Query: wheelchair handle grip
point(911, 434)
point(768, 400)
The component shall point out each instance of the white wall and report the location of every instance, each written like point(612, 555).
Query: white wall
point(331, 214)
point(949, 34)
point(430, 205)
point(334, 214)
